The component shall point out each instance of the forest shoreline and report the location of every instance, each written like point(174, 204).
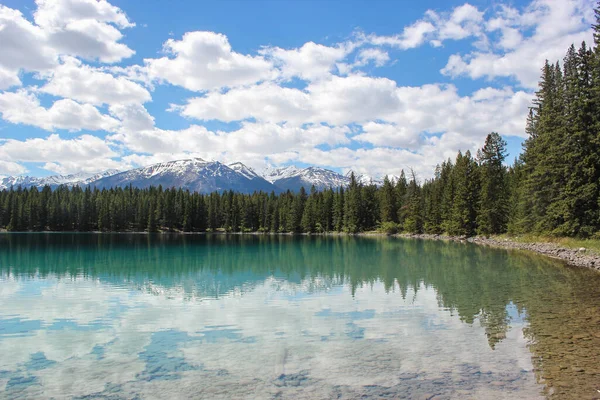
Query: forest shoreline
point(581, 257)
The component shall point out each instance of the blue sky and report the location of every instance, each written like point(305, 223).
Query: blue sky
point(372, 86)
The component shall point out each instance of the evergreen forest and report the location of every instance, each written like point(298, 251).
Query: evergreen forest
point(552, 188)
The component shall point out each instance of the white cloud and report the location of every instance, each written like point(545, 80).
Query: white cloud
point(23, 47)
point(378, 56)
point(389, 135)
point(85, 153)
point(83, 83)
point(343, 100)
point(336, 101)
point(311, 61)
point(204, 61)
point(90, 40)
point(412, 36)
point(193, 139)
point(9, 79)
point(425, 125)
point(359, 99)
point(57, 13)
point(265, 102)
point(91, 166)
point(22, 107)
point(11, 168)
point(137, 73)
point(465, 21)
point(83, 150)
point(259, 138)
point(336, 104)
point(84, 28)
point(134, 117)
point(557, 24)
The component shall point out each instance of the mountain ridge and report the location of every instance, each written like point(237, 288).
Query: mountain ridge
point(196, 174)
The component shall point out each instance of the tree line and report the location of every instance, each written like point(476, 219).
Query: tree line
point(553, 187)
point(398, 205)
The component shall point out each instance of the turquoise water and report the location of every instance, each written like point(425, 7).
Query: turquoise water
point(201, 316)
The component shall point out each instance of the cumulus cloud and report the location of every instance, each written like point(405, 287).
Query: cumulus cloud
point(411, 37)
point(251, 143)
point(462, 22)
point(23, 107)
point(205, 60)
point(556, 23)
point(309, 62)
point(336, 101)
point(389, 135)
point(53, 147)
point(377, 56)
point(85, 153)
point(86, 84)
point(57, 13)
point(134, 117)
point(11, 168)
point(91, 166)
point(8, 78)
point(408, 126)
point(360, 99)
point(23, 47)
point(82, 28)
point(85, 28)
point(266, 102)
point(316, 103)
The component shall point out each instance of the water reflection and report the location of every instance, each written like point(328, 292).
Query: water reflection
point(303, 317)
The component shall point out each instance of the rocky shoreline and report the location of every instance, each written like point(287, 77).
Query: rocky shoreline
point(578, 257)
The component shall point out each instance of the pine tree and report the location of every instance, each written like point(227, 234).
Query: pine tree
point(466, 196)
point(492, 216)
point(401, 190)
point(338, 210)
point(352, 206)
point(577, 205)
point(309, 215)
point(413, 218)
point(151, 226)
point(546, 176)
point(388, 203)
point(519, 204)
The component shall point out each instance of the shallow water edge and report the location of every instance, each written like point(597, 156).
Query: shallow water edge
point(574, 257)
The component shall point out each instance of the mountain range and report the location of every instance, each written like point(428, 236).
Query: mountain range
point(197, 175)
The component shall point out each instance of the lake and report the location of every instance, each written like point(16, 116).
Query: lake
point(216, 316)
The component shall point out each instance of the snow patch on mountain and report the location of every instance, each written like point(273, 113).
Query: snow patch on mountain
point(79, 179)
point(244, 170)
point(202, 176)
point(193, 174)
point(273, 174)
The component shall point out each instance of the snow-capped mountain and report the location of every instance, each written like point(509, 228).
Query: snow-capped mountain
point(293, 178)
point(244, 170)
point(201, 176)
point(366, 179)
point(193, 174)
point(101, 175)
point(79, 179)
point(273, 174)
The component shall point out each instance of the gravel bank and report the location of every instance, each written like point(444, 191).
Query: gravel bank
point(578, 257)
